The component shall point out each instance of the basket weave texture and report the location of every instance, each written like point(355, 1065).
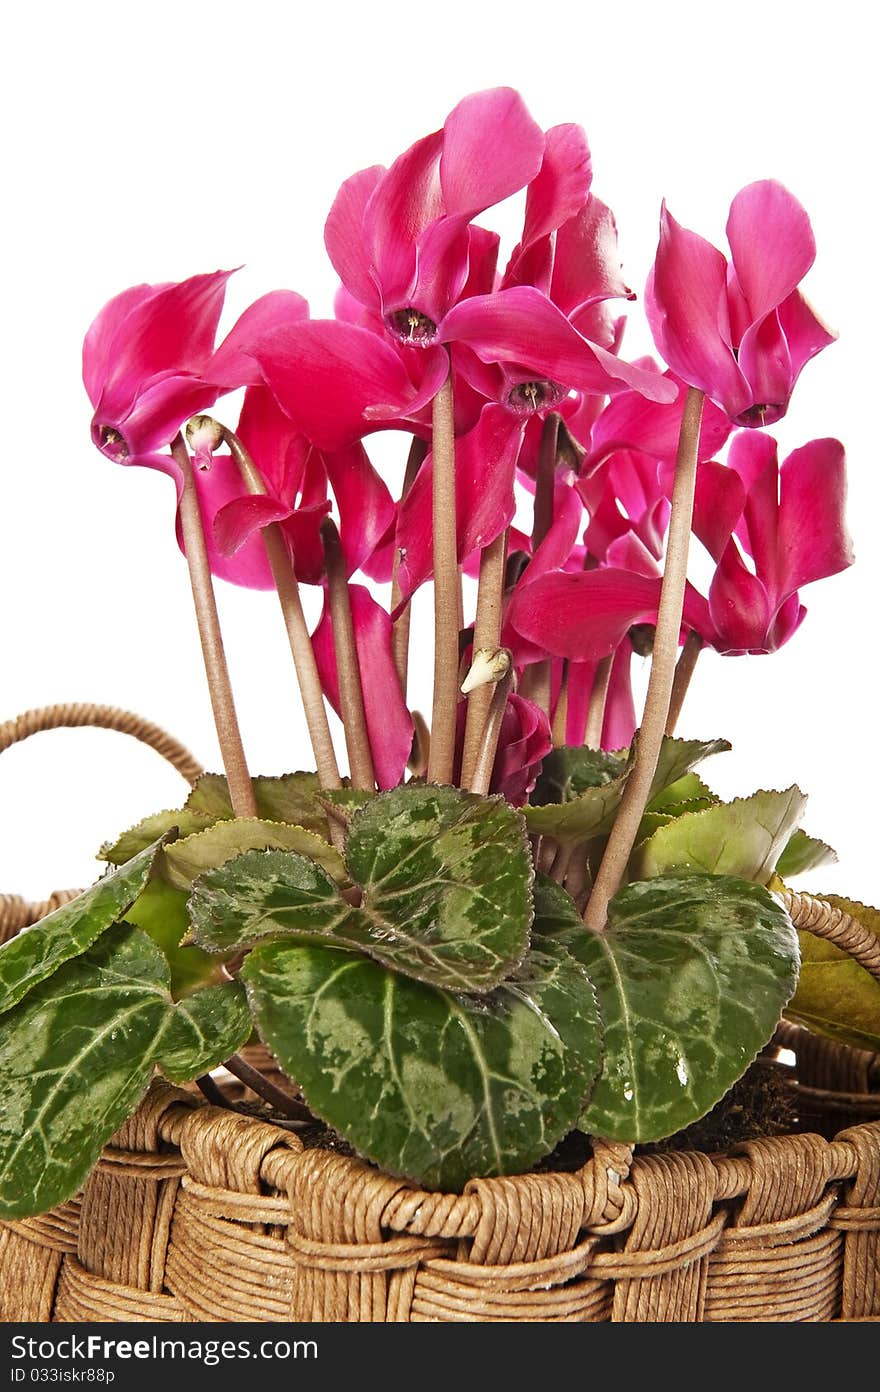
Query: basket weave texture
point(198, 1212)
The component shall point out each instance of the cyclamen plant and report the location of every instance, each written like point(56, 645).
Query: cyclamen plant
point(529, 916)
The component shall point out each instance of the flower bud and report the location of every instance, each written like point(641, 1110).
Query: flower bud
point(487, 665)
point(204, 435)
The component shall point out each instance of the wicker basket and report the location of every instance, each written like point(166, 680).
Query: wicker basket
point(198, 1212)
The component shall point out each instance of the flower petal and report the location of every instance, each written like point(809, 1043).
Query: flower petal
point(389, 724)
point(630, 421)
point(365, 506)
point(344, 235)
point(813, 538)
point(215, 488)
point(804, 331)
point(586, 267)
point(557, 192)
point(520, 326)
point(739, 606)
point(771, 242)
point(485, 463)
point(686, 305)
point(491, 148)
point(233, 364)
point(326, 375)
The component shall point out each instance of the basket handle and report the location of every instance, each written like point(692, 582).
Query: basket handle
point(827, 921)
point(15, 912)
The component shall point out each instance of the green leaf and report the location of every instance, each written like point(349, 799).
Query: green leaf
point(565, 773)
point(75, 1058)
point(592, 812)
point(835, 996)
point(204, 1030)
point(446, 879)
point(804, 853)
point(292, 798)
point(146, 832)
point(682, 794)
point(430, 1085)
point(191, 856)
point(743, 838)
point(161, 912)
point(77, 1055)
point(37, 952)
point(691, 975)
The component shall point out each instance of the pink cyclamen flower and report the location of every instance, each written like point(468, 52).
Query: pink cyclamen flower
point(523, 743)
point(301, 481)
point(399, 238)
point(740, 331)
point(787, 519)
point(149, 363)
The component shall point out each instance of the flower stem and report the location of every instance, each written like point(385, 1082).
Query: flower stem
point(446, 590)
point(598, 702)
point(650, 736)
point(684, 670)
point(400, 632)
point(482, 775)
point(545, 479)
point(263, 1087)
point(351, 694)
point(487, 636)
point(238, 778)
point(298, 635)
point(560, 714)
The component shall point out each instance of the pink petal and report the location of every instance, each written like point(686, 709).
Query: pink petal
point(97, 354)
point(152, 418)
point(344, 235)
point(619, 724)
point(632, 422)
point(787, 621)
point(405, 200)
point(804, 331)
point(523, 743)
point(236, 522)
point(813, 538)
point(686, 304)
point(586, 268)
point(273, 442)
point(555, 549)
point(719, 499)
point(485, 462)
point(389, 723)
point(171, 330)
point(583, 616)
point(482, 261)
point(491, 148)
point(365, 506)
point(771, 242)
point(215, 488)
point(521, 326)
point(302, 532)
point(558, 191)
point(233, 365)
point(738, 605)
point(326, 375)
point(765, 363)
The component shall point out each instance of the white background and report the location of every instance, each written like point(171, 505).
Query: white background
point(148, 142)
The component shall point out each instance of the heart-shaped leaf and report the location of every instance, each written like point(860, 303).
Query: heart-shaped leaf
point(567, 772)
point(37, 952)
point(835, 996)
point(592, 811)
point(77, 1055)
point(291, 798)
point(744, 838)
point(189, 857)
point(446, 880)
point(430, 1085)
point(691, 976)
point(203, 1030)
point(161, 912)
point(138, 837)
point(804, 853)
